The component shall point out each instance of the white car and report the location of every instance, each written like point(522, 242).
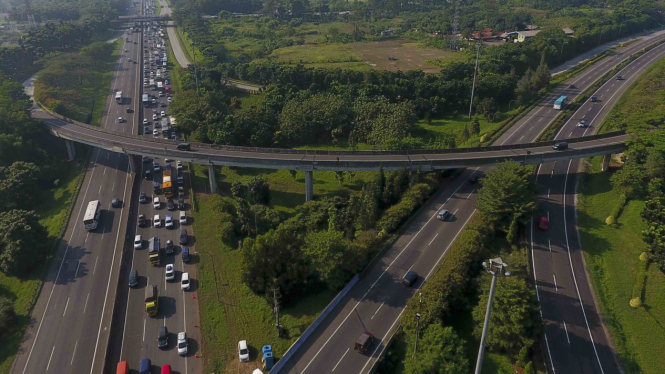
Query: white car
point(138, 242)
point(243, 352)
point(154, 116)
point(170, 99)
point(184, 281)
point(168, 222)
point(121, 120)
point(163, 113)
point(156, 203)
point(170, 272)
point(156, 221)
point(145, 121)
point(179, 165)
point(582, 124)
point(182, 343)
point(155, 132)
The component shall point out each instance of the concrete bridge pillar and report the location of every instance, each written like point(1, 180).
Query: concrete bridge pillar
point(309, 185)
point(606, 162)
point(212, 179)
point(132, 164)
point(71, 151)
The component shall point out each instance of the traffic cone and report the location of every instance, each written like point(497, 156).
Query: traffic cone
point(193, 297)
point(195, 325)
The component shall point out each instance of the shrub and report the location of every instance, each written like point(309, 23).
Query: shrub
point(399, 212)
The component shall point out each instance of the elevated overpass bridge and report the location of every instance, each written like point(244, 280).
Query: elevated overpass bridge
point(315, 160)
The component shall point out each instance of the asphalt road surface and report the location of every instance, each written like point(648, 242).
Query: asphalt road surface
point(173, 38)
point(135, 333)
point(376, 302)
point(69, 329)
point(574, 335)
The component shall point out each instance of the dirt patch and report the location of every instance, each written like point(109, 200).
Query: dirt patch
point(407, 55)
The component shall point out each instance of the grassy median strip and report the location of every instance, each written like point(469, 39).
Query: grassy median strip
point(54, 212)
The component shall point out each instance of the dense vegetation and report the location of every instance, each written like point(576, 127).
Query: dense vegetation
point(24, 170)
point(373, 109)
point(86, 23)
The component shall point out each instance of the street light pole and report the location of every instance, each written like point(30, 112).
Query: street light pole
point(495, 267)
point(475, 71)
point(415, 347)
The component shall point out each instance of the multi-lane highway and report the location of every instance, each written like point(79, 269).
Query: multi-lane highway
point(72, 321)
point(135, 334)
point(376, 302)
point(574, 335)
point(70, 324)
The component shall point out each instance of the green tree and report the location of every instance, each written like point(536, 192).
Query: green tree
point(440, 351)
point(508, 193)
point(22, 241)
point(275, 259)
point(514, 318)
point(475, 127)
point(655, 165)
point(629, 180)
point(19, 186)
point(487, 107)
point(7, 315)
point(332, 257)
point(259, 190)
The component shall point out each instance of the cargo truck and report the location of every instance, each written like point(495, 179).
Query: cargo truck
point(151, 300)
point(154, 252)
point(167, 184)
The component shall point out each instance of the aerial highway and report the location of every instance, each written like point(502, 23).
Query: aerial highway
point(574, 335)
point(69, 329)
point(134, 336)
point(377, 301)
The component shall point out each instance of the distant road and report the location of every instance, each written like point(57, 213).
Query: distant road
point(173, 38)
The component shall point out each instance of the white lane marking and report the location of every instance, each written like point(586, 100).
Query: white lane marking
point(521, 138)
point(164, 320)
point(548, 193)
point(566, 329)
point(100, 189)
point(340, 360)
point(455, 212)
point(430, 243)
point(86, 237)
point(570, 259)
point(549, 244)
point(49, 359)
point(77, 269)
point(74, 353)
point(377, 310)
point(535, 284)
point(104, 173)
point(556, 288)
point(86, 303)
point(59, 269)
point(547, 343)
point(469, 195)
point(570, 135)
point(66, 305)
point(94, 269)
point(389, 266)
point(144, 329)
point(113, 188)
point(108, 284)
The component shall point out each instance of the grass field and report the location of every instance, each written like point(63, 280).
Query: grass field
point(286, 193)
point(611, 253)
point(229, 310)
point(158, 7)
point(408, 55)
point(52, 211)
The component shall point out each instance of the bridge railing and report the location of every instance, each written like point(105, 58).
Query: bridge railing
point(408, 152)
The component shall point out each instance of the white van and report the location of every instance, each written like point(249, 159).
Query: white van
point(138, 243)
point(183, 218)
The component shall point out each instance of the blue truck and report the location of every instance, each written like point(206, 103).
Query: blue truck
point(267, 357)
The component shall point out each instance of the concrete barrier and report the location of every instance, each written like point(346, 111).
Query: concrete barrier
point(298, 343)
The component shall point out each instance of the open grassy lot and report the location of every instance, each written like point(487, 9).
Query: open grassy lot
point(53, 210)
point(611, 253)
point(409, 55)
point(78, 90)
point(287, 192)
point(158, 7)
point(229, 310)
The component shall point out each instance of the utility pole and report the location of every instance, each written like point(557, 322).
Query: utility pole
point(31, 18)
point(496, 267)
point(275, 299)
point(454, 45)
point(475, 72)
point(415, 347)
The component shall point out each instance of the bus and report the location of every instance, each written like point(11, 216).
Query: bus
point(167, 186)
point(91, 218)
point(118, 97)
point(146, 100)
point(560, 103)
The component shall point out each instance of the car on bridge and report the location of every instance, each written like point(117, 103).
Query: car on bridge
point(560, 146)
